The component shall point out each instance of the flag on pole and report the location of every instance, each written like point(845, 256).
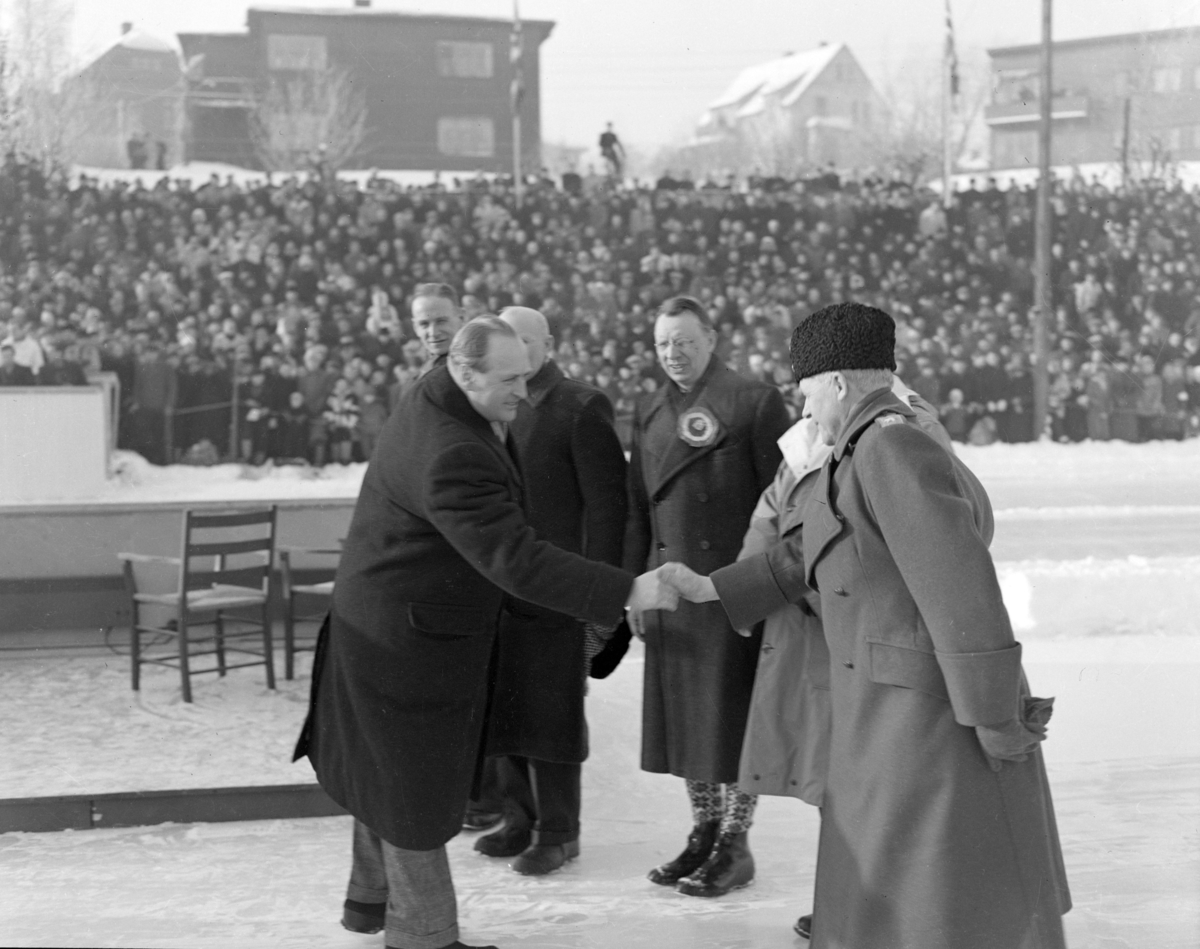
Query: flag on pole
point(515, 58)
point(951, 56)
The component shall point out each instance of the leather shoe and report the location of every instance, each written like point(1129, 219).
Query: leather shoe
point(803, 927)
point(539, 859)
point(363, 917)
point(508, 841)
point(730, 866)
point(699, 846)
point(481, 820)
point(459, 945)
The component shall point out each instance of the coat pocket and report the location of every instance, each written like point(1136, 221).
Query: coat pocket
point(907, 668)
point(442, 619)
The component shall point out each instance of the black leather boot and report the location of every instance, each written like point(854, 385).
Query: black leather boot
point(730, 866)
point(508, 841)
point(699, 846)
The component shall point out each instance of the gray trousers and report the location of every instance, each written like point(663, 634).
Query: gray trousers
point(422, 912)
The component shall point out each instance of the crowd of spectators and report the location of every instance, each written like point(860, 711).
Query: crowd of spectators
point(270, 320)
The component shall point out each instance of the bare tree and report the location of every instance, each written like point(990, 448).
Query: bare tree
point(34, 59)
point(320, 115)
point(910, 140)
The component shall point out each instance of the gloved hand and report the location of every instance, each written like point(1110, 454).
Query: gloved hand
point(1011, 741)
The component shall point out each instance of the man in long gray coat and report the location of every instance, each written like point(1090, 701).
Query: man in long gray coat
point(937, 830)
point(786, 748)
point(703, 450)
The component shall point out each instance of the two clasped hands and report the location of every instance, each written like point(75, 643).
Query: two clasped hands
point(661, 589)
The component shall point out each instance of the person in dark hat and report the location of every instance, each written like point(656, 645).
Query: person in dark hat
point(937, 825)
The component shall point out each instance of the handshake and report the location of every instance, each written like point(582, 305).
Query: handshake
point(661, 589)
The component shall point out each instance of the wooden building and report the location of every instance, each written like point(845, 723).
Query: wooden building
point(1135, 95)
point(436, 88)
point(809, 109)
point(130, 90)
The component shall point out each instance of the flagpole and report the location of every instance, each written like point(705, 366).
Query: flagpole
point(517, 94)
point(948, 69)
point(946, 160)
point(1043, 223)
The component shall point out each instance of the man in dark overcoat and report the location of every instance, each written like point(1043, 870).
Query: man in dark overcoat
point(437, 543)
point(574, 487)
point(937, 827)
point(703, 450)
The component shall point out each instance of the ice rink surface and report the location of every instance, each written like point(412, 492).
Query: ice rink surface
point(1098, 547)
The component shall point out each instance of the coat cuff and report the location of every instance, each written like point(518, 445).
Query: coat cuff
point(748, 591)
point(984, 687)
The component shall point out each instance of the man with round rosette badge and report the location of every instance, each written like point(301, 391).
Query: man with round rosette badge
point(703, 451)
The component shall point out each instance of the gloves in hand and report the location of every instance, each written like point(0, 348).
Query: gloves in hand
point(1015, 739)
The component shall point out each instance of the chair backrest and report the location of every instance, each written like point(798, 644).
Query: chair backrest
point(231, 547)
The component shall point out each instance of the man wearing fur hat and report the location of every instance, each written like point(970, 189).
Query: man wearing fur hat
point(937, 831)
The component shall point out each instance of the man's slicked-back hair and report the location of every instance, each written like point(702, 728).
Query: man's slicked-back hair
point(469, 348)
point(681, 305)
point(438, 290)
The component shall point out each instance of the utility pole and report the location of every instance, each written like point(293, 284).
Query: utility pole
point(1043, 302)
point(517, 96)
point(947, 161)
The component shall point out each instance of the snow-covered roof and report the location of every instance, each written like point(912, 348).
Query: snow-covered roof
point(791, 74)
point(138, 40)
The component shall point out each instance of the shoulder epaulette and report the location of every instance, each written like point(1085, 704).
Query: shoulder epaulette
point(891, 418)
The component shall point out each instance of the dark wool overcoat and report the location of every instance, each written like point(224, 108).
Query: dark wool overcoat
point(438, 541)
point(923, 845)
point(693, 504)
point(574, 489)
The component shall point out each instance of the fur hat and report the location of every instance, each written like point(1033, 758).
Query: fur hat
point(843, 336)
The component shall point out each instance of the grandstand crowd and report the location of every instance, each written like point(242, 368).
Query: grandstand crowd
point(283, 307)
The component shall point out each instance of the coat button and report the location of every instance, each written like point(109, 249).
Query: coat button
point(848, 665)
point(662, 546)
point(840, 591)
point(767, 647)
point(756, 777)
point(794, 782)
point(704, 545)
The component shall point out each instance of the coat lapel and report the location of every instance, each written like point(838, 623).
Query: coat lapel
point(679, 454)
point(444, 391)
point(822, 524)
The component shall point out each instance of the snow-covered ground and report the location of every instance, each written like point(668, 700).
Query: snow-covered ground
point(1123, 759)
point(1098, 550)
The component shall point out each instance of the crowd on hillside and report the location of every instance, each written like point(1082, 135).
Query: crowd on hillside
point(283, 308)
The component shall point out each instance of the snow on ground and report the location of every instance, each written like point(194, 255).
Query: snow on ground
point(1129, 825)
point(1036, 476)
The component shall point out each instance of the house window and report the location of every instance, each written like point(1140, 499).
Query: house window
point(1173, 139)
point(466, 137)
point(294, 51)
point(464, 60)
point(1167, 79)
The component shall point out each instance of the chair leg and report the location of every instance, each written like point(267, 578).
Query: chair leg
point(135, 650)
point(268, 645)
point(184, 670)
point(219, 642)
point(289, 637)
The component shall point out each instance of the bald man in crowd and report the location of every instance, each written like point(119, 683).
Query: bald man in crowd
point(573, 470)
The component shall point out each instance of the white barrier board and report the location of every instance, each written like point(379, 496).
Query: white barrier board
point(53, 443)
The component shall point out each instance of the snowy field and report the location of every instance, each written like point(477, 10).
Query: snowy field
point(1098, 549)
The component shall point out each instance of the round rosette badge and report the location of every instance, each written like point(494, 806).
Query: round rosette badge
point(698, 428)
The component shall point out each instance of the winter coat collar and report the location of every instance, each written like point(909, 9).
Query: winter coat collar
point(870, 407)
point(542, 383)
point(441, 390)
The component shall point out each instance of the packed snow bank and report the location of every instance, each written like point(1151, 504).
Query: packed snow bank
point(1104, 474)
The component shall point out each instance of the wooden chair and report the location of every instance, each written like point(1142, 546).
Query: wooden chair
point(221, 571)
point(321, 591)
